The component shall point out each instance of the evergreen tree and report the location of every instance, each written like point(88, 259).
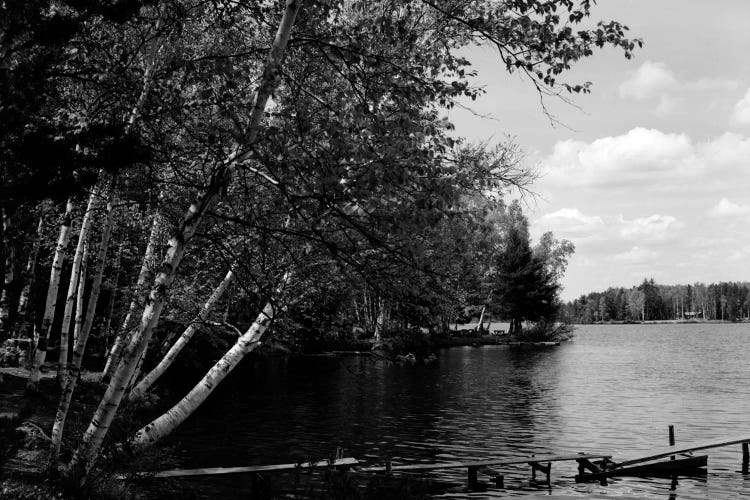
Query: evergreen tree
point(523, 290)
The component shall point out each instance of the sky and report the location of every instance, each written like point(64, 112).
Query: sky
point(649, 175)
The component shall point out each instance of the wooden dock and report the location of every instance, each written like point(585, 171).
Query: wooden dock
point(647, 465)
point(252, 469)
point(690, 448)
point(591, 466)
point(542, 463)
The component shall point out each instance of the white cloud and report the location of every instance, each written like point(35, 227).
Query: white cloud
point(654, 227)
point(725, 208)
point(655, 82)
point(638, 156)
point(572, 220)
point(650, 80)
point(741, 111)
point(635, 255)
point(650, 160)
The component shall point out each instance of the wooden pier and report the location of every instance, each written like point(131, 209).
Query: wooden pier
point(591, 466)
point(646, 465)
point(541, 463)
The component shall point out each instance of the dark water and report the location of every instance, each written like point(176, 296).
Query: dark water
point(614, 389)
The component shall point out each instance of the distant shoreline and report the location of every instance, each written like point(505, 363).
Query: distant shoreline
point(665, 322)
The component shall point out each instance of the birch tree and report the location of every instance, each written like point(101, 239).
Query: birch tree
point(170, 420)
point(80, 344)
point(49, 309)
point(137, 302)
point(146, 382)
point(73, 292)
point(88, 450)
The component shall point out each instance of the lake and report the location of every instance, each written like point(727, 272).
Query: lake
point(614, 389)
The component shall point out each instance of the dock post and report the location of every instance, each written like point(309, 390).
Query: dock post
point(549, 471)
point(745, 457)
point(388, 466)
point(472, 477)
point(671, 439)
point(499, 481)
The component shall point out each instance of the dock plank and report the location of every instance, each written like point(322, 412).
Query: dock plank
point(486, 463)
point(675, 450)
point(253, 468)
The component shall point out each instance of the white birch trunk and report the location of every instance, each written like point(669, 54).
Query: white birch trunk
point(49, 310)
point(80, 346)
point(145, 384)
point(170, 420)
point(22, 325)
point(481, 316)
point(75, 272)
point(146, 274)
point(62, 369)
point(138, 301)
point(91, 442)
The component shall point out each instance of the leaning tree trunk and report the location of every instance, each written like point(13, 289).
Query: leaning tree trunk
point(169, 421)
point(73, 287)
point(140, 389)
point(49, 310)
point(78, 323)
point(481, 317)
point(22, 325)
point(146, 272)
point(138, 300)
point(80, 345)
point(87, 452)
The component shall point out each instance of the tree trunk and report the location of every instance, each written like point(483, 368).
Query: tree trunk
point(481, 317)
point(22, 325)
point(73, 287)
point(147, 381)
point(62, 370)
point(112, 297)
point(80, 344)
point(88, 450)
point(138, 301)
point(379, 322)
point(8, 279)
point(169, 421)
point(49, 310)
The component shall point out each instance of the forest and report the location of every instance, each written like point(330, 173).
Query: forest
point(215, 170)
point(650, 301)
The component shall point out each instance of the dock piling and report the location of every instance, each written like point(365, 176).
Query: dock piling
point(745, 457)
point(671, 439)
point(472, 481)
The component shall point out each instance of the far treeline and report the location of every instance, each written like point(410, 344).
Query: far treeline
point(650, 301)
point(203, 172)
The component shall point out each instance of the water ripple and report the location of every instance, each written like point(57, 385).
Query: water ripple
point(614, 390)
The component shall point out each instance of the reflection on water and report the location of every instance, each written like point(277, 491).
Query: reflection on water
point(615, 389)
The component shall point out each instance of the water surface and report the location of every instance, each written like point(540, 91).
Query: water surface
point(614, 389)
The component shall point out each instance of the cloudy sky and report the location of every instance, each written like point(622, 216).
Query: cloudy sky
point(649, 175)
